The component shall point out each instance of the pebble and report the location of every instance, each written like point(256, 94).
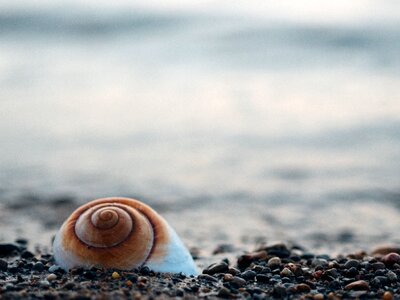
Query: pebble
point(319, 262)
point(51, 277)
point(39, 267)
point(245, 260)
point(302, 288)
point(27, 254)
point(351, 263)
point(391, 276)
point(357, 285)
point(224, 293)
point(8, 249)
point(262, 278)
point(318, 297)
point(378, 266)
point(56, 269)
point(228, 277)
point(274, 262)
point(238, 281)
point(115, 275)
point(128, 283)
point(286, 273)
point(207, 277)
point(3, 265)
point(220, 267)
point(391, 259)
point(387, 296)
point(248, 275)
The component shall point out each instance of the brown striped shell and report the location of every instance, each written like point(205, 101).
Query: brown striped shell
point(118, 233)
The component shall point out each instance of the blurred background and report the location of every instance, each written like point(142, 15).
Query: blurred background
point(239, 121)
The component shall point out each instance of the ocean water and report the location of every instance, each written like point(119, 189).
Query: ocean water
point(238, 122)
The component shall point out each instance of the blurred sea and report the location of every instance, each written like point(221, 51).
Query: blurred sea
point(235, 120)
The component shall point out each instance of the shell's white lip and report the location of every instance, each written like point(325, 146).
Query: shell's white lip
point(177, 258)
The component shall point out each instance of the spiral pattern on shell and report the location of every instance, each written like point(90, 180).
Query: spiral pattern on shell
point(114, 233)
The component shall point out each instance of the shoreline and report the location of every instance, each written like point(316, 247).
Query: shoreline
point(273, 271)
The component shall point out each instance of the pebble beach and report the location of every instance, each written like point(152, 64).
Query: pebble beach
point(280, 271)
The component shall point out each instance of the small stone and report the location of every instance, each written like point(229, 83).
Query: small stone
point(238, 281)
point(8, 249)
point(220, 267)
point(207, 277)
point(318, 297)
point(262, 278)
point(228, 277)
point(279, 291)
point(44, 283)
point(351, 263)
point(233, 271)
point(274, 262)
point(302, 288)
point(248, 275)
point(224, 293)
point(3, 265)
point(278, 249)
point(319, 262)
point(391, 276)
point(115, 275)
point(27, 254)
point(128, 283)
point(391, 259)
point(378, 266)
point(286, 273)
point(357, 285)
point(39, 267)
point(180, 292)
point(69, 285)
point(51, 277)
point(245, 260)
point(56, 269)
point(387, 296)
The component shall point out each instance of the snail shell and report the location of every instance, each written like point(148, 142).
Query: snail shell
point(120, 233)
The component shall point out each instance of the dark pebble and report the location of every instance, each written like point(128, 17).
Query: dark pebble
point(220, 267)
point(352, 263)
point(8, 249)
point(302, 288)
point(3, 265)
point(207, 277)
point(39, 267)
point(22, 241)
point(27, 254)
point(262, 278)
point(279, 291)
point(56, 269)
point(239, 282)
point(391, 259)
point(245, 260)
point(279, 250)
point(378, 266)
point(248, 275)
point(224, 293)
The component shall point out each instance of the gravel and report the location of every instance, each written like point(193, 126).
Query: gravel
point(274, 271)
